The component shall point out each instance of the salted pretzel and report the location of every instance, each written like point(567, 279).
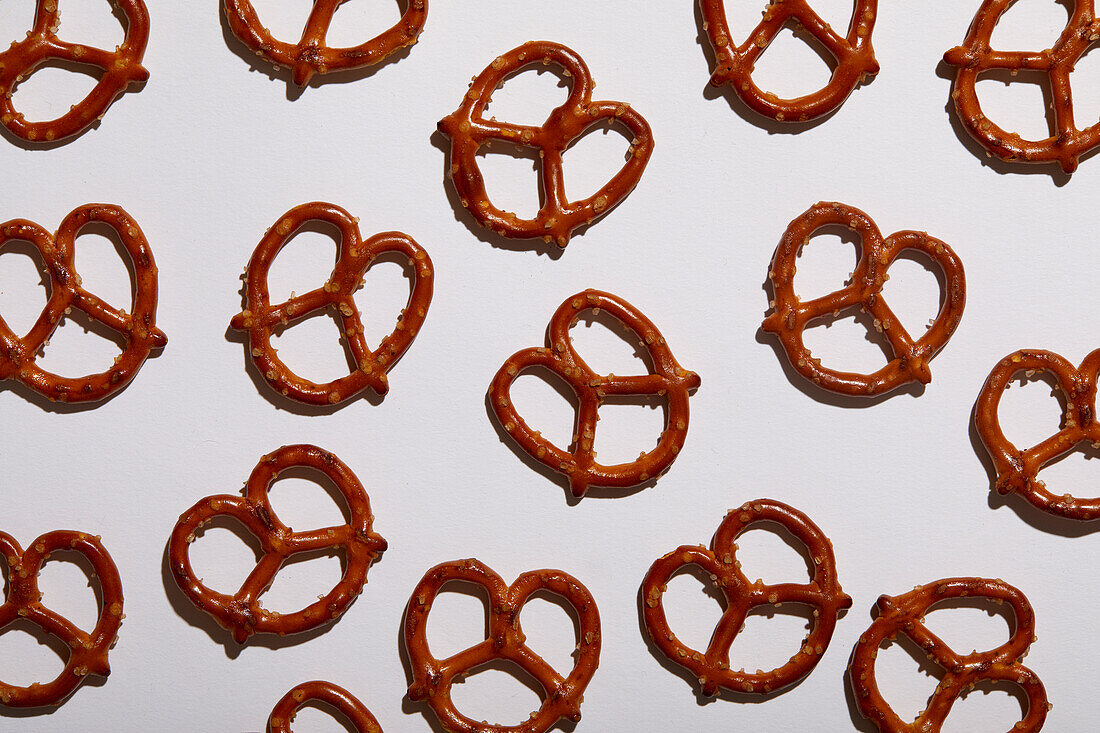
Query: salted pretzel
point(121, 67)
point(138, 330)
point(669, 381)
point(975, 57)
point(310, 55)
point(559, 216)
point(242, 613)
point(323, 692)
point(712, 667)
point(356, 255)
point(1018, 470)
point(855, 58)
point(88, 651)
point(790, 316)
point(905, 614)
point(432, 678)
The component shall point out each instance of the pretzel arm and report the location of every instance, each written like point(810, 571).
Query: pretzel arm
point(261, 578)
point(291, 310)
point(69, 633)
point(642, 384)
point(329, 538)
point(536, 666)
point(77, 53)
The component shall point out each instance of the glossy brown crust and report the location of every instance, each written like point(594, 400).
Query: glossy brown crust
point(242, 613)
point(88, 651)
point(325, 692)
point(432, 678)
point(855, 58)
point(260, 318)
point(469, 131)
point(975, 57)
point(671, 381)
point(121, 67)
point(712, 667)
point(1018, 470)
point(905, 615)
point(138, 330)
point(790, 316)
point(310, 55)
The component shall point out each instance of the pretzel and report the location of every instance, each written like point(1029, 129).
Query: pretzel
point(325, 692)
point(432, 678)
point(790, 316)
point(310, 55)
point(88, 651)
point(712, 667)
point(855, 58)
point(469, 131)
point(121, 68)
point(139, 331)
point(904, 614)
point(669, 380)
point(259, 318)
point(975, 57)
point(242, 613)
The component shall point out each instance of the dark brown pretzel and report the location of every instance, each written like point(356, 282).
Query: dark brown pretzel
point(712, 667)
point(791, 316)
point(1018, 470)
point(432, 678)
point(670, 381)
point(904, 614)
point(259, 318)
point(88, 651)
point(975, 57)
point(310, 55)
point(469, 131)
point(121, 67)
point(243, 613)
point(855, 58)
point(139, 330)
point(326, 692)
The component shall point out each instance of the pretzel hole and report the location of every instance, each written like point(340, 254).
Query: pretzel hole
point(223, 554)
point(15, 20)
point(528, 96)
point(317, 716)
point(105, 266)
point(541, 394)
point(1073, 473)
point(826, 261)
point(302, 579)
point(314, 347)
point(28, 654)
point(1085, 82)
point(627, 426)
point(52, 89)
point(286, 19)
point(1032, 409)
point(693, 606)
point(794, 64)
point(991, 705)
point(608, 346)
point(907, 678)
point(498, 691)
point(305, 260)
point(1020, 103)
point(386, 292)
point(303, 499)
point(98, 23)
point(848, 342)
point(965, 624)
point(770, 552)
point(512, 179)
point(591, 160)
point(72, 352)
point(1031, 25)
point(459, 619)
point(358, 21)
point(24, 285)
point(770, 636)
point(915, 291)
point(552, 628)
point(70, 588)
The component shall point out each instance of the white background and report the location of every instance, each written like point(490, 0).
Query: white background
point(210, 153)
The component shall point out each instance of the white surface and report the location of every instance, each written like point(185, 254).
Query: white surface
point(209, 154)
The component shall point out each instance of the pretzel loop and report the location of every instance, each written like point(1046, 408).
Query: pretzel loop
point(905, 615)
point(325, 692)
point(88, 651)
point(791, 316)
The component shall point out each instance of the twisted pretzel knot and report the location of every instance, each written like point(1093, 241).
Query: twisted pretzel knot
point(855, 58)
point(326, 692)
point(310, 55)
point(670, 381)
point(974, 57)
point(712, 667)
point(791, 316)
point(139, 331)
point(432, 678)
point(469, 131)
point(904, 614)
point(1018, 470)
point(88, 651)
point(260, 318)
point(121, 67)
point(243, 613)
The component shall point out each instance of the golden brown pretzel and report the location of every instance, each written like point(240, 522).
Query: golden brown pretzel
point(712, 667)
point(855, 58)
point(432, 678)
point(310, 55)
point(469, 131)
point(138, 330)
point(1018, 470)
point(975, 57)
point(904, 614)
point(791, 316)
point(121, 67)
point(669, 380)
point(326, 692)
point(259, 318)
point(243, 613)
point(88, 651)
